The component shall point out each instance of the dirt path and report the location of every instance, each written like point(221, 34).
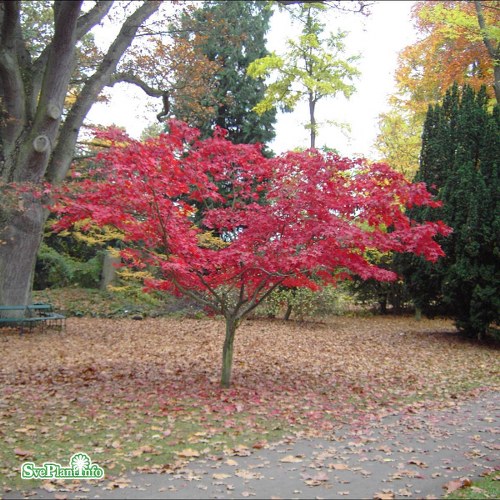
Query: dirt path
point(411, 455)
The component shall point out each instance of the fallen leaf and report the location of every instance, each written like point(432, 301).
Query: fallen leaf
point(259, 445)
point(188, 453)
point(384, 495)
point(247, 474)
point(454, 485)
point(220, 476)
point(338, 466)
point(291, 459)
point(23, 453)
point(420, 464)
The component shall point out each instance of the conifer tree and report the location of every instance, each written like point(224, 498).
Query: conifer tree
point(234, 36)
point(460, 164)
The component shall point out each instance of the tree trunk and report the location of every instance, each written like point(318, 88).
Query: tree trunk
point(19, 242)
point(288, 312)
point(312, 120)
point(28, 145)
point(493, 50)
point(33, 145)
point(418, 313)
point(227, 351)
point(496, 85)
point(108, 273)
point(383, 305)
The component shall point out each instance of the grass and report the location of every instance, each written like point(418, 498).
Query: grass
point(125, 441)
point(486, 487)
point(119, 303)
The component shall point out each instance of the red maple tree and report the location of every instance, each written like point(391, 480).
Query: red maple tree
point(224, 225)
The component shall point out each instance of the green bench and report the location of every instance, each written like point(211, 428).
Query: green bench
point(31, 316)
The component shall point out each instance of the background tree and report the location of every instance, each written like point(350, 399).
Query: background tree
point(312, 68)
point(451, 49)
point(313, 227)
point(175, 67)
point(232, 35)
point(398, 140)
point(38, 136)
point(459, 162)
point(458, 42)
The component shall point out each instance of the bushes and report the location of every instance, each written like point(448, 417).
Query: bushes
point(54, 269)
point(302, 303)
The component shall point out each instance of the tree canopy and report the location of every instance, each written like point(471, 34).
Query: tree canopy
point(231, 36)
point(300, 219)
point(311, 69)
point(459, 42)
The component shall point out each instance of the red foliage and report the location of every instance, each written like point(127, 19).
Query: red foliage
point(298, 219)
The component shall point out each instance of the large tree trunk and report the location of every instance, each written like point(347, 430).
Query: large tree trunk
point(28, 136)
point(20, 240)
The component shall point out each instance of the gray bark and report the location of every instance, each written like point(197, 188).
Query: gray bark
point(493, 51)
point(34, 145)
point(312, 119)
point(227, 351)
point(20, 240)
point(108, 273)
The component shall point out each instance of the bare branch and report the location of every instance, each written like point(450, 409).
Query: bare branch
point(358, 6)
point(482, 24)
point(196, 296)
point(211, 290)
point(135, 80)
point(92, 17)
point(254, 302)
point(60, 161)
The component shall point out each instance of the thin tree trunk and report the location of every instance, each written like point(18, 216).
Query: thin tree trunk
point(493, 51)
point(227, 351)
point(288, 312)
point(312, 120)
point(418, 313)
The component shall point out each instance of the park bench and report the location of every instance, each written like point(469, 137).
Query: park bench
point(31, 316)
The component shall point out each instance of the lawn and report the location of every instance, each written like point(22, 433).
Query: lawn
point(145, 394)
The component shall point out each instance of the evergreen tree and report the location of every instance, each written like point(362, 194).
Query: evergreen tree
point(234, 36)
point(459, 162)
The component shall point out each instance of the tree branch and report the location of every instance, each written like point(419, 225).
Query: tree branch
point(482, 24)
point(11, 83)
point(196, 297)
point(494, 53)
point(92, 17)
point(10, 19)
point(360, 6)
point(135, 80)
point(61, 159)
point(254, 302)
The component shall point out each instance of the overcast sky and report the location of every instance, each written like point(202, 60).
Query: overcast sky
point(378, 38)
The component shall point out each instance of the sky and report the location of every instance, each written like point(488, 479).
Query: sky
point(377, 38)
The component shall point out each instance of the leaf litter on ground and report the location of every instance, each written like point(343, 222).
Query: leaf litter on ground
point(146, 394)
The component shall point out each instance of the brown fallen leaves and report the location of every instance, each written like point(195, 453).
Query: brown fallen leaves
point(456, 484)
point(117, 377)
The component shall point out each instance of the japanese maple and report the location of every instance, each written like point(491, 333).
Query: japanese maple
point(222, 224)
